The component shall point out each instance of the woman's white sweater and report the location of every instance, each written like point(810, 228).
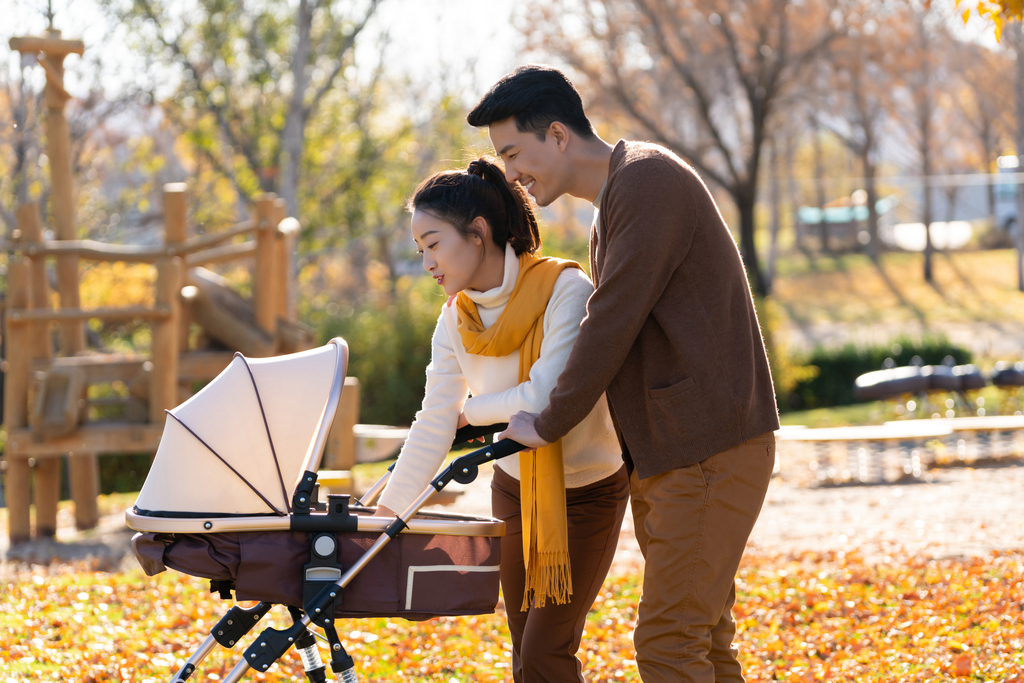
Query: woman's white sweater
point(590, 451)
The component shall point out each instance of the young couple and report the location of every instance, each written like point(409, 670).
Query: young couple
point(651, 383)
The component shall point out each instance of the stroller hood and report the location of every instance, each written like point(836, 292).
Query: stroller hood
point(240, 445)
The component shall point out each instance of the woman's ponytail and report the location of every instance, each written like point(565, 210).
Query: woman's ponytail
point(458, 197)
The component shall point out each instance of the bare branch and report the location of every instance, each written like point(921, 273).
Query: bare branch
point(340, 63)
point(702, 97)
point(221, 113)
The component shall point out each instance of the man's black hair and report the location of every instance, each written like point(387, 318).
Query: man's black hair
point(535, 96)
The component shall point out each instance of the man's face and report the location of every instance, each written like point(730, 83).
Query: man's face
point(538, 165)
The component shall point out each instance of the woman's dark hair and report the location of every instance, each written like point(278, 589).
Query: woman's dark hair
point(535, 96)
point(458, 197)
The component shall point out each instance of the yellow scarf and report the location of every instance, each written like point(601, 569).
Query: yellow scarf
point(541, 473)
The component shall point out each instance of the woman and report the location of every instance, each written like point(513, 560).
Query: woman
point(504, 336)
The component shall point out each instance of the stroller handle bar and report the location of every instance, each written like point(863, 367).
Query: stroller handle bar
point(463, 435)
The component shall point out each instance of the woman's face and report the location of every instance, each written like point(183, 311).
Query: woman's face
point(454, 261)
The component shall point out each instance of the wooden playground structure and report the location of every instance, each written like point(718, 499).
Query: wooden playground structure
point(47, 406)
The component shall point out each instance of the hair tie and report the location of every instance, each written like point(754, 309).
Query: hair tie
point(478, 168)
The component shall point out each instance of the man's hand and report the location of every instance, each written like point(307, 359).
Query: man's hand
point(522, 430)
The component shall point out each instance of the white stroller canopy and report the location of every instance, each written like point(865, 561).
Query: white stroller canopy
point(239, 446)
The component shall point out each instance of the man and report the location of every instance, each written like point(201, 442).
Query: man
point(672, 338)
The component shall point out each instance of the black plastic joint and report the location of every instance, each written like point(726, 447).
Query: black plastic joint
point(186, 673)
point(338, 517)
point(270, 645)
point(302, 501)
point(342, 663)
point(238, 621)
point(396, 527)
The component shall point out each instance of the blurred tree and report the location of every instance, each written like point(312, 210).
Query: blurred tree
point(920, 70)
point(856, 100)
point(1019, 89)
point(251, 77)
point(19, 141)
point(987, 106)
point(702, 77)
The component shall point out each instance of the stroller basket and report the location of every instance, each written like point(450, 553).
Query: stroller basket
point(232, 497)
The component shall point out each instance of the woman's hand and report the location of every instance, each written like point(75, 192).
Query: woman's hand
point(463, 422)
point(383, 511)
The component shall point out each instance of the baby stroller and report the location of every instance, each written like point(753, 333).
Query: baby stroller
point(232, 496)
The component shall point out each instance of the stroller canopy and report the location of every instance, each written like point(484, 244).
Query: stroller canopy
point(239, 446)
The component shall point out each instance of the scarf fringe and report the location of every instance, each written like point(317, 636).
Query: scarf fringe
point(548, 576)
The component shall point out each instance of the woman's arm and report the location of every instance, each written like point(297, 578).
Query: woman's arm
point(566, 308)
point(431, 435)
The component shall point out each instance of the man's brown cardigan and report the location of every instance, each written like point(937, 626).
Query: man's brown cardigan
point(671, 334)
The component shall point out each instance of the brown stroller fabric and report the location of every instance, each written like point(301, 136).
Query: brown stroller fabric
point(416, 576)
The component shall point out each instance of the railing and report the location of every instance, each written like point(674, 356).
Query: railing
point(28, 316)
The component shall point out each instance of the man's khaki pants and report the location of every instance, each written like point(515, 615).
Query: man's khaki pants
point(692, 525)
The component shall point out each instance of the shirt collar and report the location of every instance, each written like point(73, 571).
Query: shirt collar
point(597, 201)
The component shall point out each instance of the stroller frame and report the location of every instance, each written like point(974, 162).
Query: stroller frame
point(323, 578)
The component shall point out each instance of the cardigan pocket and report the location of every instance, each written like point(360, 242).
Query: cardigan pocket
point(673, 390)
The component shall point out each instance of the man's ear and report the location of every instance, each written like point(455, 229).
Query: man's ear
point(560, 133)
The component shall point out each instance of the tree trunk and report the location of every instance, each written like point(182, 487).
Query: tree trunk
point(819, 185)
point(791, 189)
point(775, 192)
point(745, 202)
point(872, 200)
point(925, 130)
point(1020, 156)
point(927, 218)
point(292, 137)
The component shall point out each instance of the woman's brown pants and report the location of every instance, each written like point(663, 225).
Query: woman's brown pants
point(545, 640)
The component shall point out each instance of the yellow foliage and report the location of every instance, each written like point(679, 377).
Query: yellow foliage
point(786, 373)
point(999, 12)
point(117, 285)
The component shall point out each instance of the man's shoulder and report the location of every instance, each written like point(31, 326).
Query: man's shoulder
point(640, 162)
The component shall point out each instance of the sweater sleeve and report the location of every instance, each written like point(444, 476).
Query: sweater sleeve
point(431, 434)
point(647, 231)
point(562, 317)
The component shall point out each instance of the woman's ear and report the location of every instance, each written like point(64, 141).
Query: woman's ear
point(481, 230)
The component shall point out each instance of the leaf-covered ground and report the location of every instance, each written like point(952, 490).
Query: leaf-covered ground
point(800, 618)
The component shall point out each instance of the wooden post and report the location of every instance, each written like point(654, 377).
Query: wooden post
point(16, 369)
point(340, 451)
point(176, 232)
point(58, 146)
point(32, 233)
point(84, 477)
point(72, 333)
point(175, 224)
point(163, 390)
point(282, 253)
point(47, 470)
point(264, 278)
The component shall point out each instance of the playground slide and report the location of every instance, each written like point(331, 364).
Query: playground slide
point(224, 315)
